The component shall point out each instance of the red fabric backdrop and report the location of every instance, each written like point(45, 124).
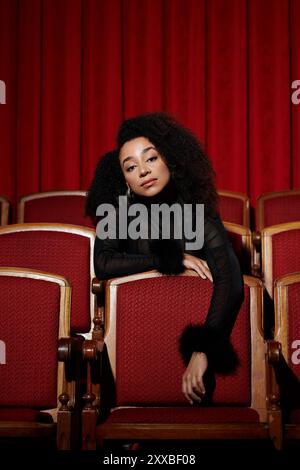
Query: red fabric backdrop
point(74, 69)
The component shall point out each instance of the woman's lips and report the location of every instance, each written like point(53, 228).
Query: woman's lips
point(149, 183)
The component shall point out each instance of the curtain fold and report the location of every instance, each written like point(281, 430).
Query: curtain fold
point(102, 99)
point(226, 92)
point(9, 59)
point(74, 69)
point(294, 56)
point(269, 96)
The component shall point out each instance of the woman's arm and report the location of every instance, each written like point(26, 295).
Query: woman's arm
point(111, 261)
point(212, 338)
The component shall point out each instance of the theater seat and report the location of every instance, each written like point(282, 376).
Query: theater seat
point(278, 207)
point(66, 250)
point(141, 396)
point(280, 254)
point(35, 313)
point(287, 332)
point(64, 207)
point(234, 207)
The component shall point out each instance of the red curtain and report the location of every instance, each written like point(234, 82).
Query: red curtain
point(74, 69)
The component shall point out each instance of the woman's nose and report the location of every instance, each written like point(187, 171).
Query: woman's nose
point(144, 171)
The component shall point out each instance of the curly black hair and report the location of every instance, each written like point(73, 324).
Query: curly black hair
point(190, 168)
point(107, 184)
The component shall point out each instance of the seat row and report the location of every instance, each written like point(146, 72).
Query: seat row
point(272, 209)
point(67, 251)
point(68, 207)
point(134, 373)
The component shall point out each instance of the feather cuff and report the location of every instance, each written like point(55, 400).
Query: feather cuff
point(221, 355)
point(169, 255)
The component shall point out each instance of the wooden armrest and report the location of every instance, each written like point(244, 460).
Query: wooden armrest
point(69, 351)
point(68, 348)
point(98, 287)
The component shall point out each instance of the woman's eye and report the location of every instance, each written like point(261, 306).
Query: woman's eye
point(130, 168)
point(152, 159)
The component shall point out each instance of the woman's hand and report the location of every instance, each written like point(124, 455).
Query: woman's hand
point(198, 265)
point(192, 379)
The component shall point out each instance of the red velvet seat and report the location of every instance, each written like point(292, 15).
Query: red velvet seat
point(4, 210)
point(61, 207)
point(277, 208)
point(287, 332)
point(66, 250)
point(35, 313)
point(234, 207)
point(144, 316)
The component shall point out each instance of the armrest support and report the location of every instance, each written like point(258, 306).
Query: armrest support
point(273, 357)
point(69, 352)
point(68, 417)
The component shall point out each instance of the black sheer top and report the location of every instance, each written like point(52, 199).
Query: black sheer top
point(113, 258)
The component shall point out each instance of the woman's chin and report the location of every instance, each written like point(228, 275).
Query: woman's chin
point(149, 192)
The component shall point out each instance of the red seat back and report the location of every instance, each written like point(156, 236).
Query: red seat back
point(234, 207)
point(33, 314)
point(278, 208)
point(145, 321)
point(280, 253)
point(65, 207)
point(59, 249)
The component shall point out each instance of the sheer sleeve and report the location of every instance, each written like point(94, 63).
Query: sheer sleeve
point(213, 336)
point(111, 261)
point(115, 257)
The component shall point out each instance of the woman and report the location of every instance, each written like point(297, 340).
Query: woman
point(159, 161)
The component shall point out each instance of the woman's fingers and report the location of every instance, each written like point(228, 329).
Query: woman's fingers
point(199, 271)
point(199, 266)
point(205, 270)
point(200, 385)
point(191, 389)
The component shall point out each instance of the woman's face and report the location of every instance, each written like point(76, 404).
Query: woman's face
point(144, 169)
